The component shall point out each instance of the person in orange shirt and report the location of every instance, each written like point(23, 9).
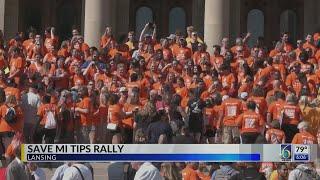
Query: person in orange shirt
point(232, 108)
point(46, 112)
point(115, 120)
point(189, 172)
point(292, 81)
point(64, 49)
point(84, 110)
point(200, 53)
point(275, 135)
point(84, 47)
point(287, 47)
point(274, 109)
point(12, 89)
point(10, 124)
point(309, 43)
point(278, 49)
point(251, 124)
point(291, 116)
point(303, 137)
point(16, 66)
point(51, 39)
point(106, 38)
point(216, 59)
point(132, 105)
point(258, 96)
point(228, 79)
point(184, 53)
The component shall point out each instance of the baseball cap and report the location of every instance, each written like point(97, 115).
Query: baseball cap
point(244, 95)
point(172, 36)
point(123, 89)
point(225, 97)
point(303, 125)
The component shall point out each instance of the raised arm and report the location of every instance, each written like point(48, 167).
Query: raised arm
point(143, 32)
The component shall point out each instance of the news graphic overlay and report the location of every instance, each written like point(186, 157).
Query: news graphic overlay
point(164, 152)
point(301, 153)
point(286, 152)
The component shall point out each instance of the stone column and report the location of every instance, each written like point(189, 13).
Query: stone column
point(216, 21)
point(122, 21)
point(309, 16)
point(234, 23)
point(9, 17)
point(97, 17)
point(198, 15)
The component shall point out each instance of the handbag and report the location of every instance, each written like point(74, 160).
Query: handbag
point(111, 126)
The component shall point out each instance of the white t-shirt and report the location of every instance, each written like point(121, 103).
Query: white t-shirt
point(29, 104)
point(147, 171)
point(71, 173)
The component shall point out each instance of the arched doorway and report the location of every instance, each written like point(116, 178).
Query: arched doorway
point(177, 20)
point(143, 15)
point(288, 23)
point(255, 25)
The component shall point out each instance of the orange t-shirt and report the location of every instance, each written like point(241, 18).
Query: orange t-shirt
point(227, 81)
point(64, 52)
point(273, 53)
point(114, 114)
point(104, 40)
point(128, 122)
point(17, 126)
point(13, 92)
point(85, 103)
point(304, 138)
point(275, 109)
point(261, 104)
point(203, 176)
point(183, 54)
point(198, 55)
point(216, 61)
point(182, 91)
point(189, 173)
point(231, 109)
point(275, 136)
point(292, 114)
point(250, 121)
point(15, 64)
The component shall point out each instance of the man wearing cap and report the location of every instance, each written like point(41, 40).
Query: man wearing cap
point(123, 95)
point(291, 116)
point(193, 43)
point(304, 137)
point(190, 30)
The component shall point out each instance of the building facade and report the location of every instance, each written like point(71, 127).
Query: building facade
point(213, 19)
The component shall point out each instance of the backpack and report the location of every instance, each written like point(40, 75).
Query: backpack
point(308, 174)
point(51, 122)
point(11, 116)
point(225, 175)
point(128, 172)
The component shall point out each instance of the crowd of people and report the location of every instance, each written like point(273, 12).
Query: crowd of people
point(151, 90)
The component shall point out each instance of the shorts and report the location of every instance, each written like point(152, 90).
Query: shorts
point(229, 133)
point(249, 137)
